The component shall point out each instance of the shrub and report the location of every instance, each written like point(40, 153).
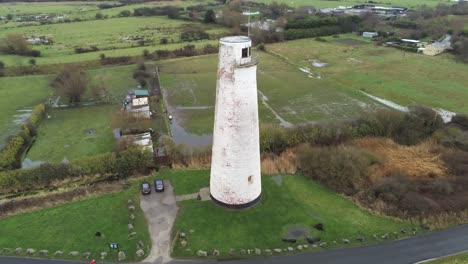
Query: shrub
point(342, 169)
point(38, 114)
point(10, 156)
point(91, 48)
point(125, 13)
point(35, 53)
point(261, 47)
point(192, 34)
point(441, 186)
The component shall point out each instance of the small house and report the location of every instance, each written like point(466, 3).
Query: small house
point(370, 34)
point(144, 140)
point(141, 93)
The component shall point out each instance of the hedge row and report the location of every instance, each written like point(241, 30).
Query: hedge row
point(46, 175)
point(10, 155)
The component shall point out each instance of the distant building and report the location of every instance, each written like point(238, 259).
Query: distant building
point(141, 93)
point(144, 140)
point(435, 48)
point(382, 11)
point(410, 42)
point(137, 103)
point(370, 34)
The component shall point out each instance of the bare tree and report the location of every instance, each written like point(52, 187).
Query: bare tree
point(72, 82)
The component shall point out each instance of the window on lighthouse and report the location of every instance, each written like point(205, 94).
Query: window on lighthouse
point(245, 52)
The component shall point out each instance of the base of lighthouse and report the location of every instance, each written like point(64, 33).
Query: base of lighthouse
point(237, 206)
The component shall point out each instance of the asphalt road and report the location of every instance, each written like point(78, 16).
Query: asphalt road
point(406, 251)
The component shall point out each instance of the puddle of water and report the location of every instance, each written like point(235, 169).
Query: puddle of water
point(116, 133)
point(444, 114)
point(179, 134)
point(28, 164)
point(283, 122)
point(21, 118)
point(388, 103)
point(319, 64)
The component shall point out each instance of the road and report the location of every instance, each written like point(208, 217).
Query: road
point(411, 250)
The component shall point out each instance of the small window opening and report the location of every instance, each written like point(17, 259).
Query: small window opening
point(245, 52)
point(250, 179)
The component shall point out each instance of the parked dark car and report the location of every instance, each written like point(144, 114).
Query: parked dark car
point(159, 185)
point(145, 188)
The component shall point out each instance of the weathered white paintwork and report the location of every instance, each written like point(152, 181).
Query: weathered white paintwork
point(235, 167)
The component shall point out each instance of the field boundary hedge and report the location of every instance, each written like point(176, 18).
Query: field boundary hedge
point(121, 165)
point(10, 155)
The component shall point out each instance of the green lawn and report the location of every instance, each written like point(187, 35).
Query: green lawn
point(65, 134)
point(19, 94)
point(455, 259)
point(186, 181)
point(297, 201)
point(72, 227)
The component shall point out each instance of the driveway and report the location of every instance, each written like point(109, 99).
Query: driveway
point(160, 210)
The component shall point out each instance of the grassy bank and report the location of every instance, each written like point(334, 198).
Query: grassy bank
point(288, 203)
point(72, 227)
point(455, 259)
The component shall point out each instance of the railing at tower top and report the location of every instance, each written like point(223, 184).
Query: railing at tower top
point(247, 62)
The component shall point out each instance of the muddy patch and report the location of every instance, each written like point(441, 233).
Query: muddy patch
point(353, 60)
point(278, 179)
point(90, 132)
point(296, 232)
point(350, 42)
point(116, 133)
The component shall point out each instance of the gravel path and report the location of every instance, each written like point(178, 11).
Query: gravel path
point(160, 210)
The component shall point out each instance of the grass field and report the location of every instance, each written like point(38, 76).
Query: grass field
point(291, 201)
point(72, 227)
point(19, 94)
point(74, 132)
point(403, 77)
point(82, 9)
point(109, 35)
point(51, 8)
point(455, 259)
point(336, 3)
point(291, 93)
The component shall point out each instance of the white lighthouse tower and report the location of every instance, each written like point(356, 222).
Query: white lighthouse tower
point(235, 167)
